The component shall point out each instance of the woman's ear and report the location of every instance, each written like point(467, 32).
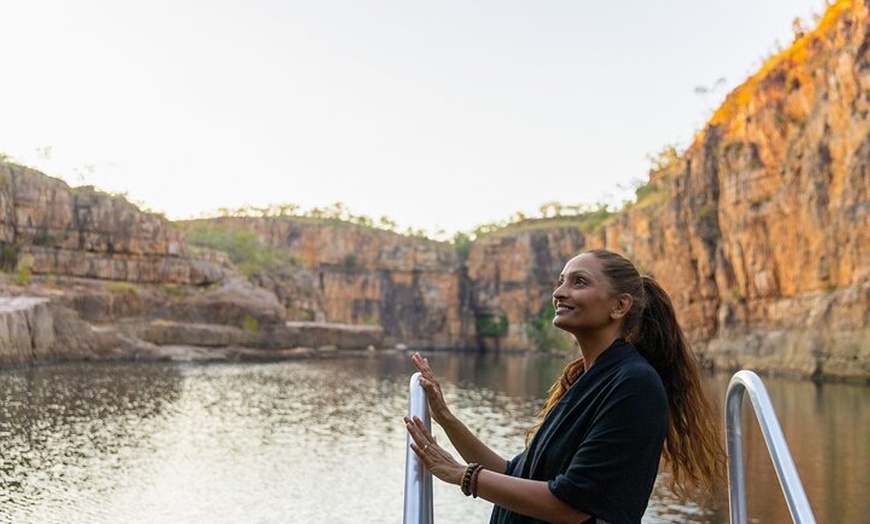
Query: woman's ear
point(622, 306)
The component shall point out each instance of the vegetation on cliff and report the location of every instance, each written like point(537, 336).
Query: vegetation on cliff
point(244, 249)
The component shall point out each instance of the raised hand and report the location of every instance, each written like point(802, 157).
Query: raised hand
point(439, 462)
point(437, 406)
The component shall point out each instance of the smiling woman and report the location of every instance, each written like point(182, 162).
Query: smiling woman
point(650, 325)
point(633, 396)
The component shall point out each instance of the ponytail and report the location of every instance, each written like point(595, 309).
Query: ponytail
point(692, 449)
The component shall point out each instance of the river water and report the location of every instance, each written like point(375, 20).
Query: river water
point(323, 441)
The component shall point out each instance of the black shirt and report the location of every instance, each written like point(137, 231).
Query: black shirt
point(599, 447)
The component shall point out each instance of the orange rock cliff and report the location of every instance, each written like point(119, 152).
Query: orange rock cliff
point(758, 231)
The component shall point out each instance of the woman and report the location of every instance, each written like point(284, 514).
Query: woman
point(632, 397)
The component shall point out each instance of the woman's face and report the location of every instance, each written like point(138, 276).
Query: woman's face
point(582, 298)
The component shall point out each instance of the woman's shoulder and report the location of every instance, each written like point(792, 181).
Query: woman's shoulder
point(637, 370)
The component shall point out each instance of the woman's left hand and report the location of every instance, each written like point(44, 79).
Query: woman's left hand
point(436, 460)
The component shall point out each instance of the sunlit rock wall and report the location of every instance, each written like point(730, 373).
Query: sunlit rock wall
point(46, 227)
point(763, 237)
point(514, 273)
point(347, 274)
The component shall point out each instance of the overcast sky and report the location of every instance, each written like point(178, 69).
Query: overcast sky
point(438, 114)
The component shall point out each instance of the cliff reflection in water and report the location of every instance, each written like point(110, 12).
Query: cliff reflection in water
point(322, 441)
point(827, 427)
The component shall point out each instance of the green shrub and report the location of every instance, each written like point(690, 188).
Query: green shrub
point(645, 190)
point(243, 247)
point(120, 287)
point(462, 242)
point(349, 263)
point(22, 274)
point(8, 257)
point(666, 159)
point(491, 324)
point(250, 324)
point(44, 238)
point(175, 291)
point(591, 221)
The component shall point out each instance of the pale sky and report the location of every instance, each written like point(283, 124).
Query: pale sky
point(439, 114)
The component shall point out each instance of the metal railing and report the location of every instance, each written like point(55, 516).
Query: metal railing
point(418, 481)
point(789, 481)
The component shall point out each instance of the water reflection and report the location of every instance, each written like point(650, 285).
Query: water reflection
point(67, 434)
point(826, 427)
point(322, 441)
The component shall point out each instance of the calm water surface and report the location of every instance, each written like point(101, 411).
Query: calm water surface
point(323, 441)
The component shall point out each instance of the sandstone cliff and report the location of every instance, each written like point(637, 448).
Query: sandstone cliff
point(87, 275)
point(513, 273)
point(47, 227)
point(341, 273)
point(763, 234)
point(759, 231)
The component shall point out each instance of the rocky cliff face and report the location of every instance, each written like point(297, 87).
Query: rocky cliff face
point(418, 290)
point(35, 329)
point(346, 274)
point(46, 227)
point(84, 260)
point(759, 232)
point(513, 274)
point(763, 235)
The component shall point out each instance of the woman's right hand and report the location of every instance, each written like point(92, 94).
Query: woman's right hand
point(437, 406)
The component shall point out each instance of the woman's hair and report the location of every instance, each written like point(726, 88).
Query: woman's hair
point(692, 451)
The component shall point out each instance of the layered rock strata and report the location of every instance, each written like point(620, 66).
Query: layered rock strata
point(46, 227)
point(763, 234)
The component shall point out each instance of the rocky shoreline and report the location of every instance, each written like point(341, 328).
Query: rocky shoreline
point(37, 330)
point(41, 327)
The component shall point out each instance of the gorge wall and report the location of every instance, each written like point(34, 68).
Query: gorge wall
point(763, 233)
point(759, 232)
point(48, 228)
point(341, 273)
point(422, 292)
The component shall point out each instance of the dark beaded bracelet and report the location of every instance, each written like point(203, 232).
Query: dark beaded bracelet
point(473, 483)
point(465, 486)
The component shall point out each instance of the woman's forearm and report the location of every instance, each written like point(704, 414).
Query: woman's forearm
point(532, 498)
point(470, 447)
point(526, 497)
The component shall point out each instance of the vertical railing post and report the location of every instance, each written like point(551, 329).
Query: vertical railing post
point(734, 436)
point(418, 480)
point(786, 472)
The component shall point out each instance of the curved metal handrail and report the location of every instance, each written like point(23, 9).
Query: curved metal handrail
point(418, 480)
point(789, 481)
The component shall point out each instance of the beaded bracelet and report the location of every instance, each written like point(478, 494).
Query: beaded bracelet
point(465, 485)
point(473, 483)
